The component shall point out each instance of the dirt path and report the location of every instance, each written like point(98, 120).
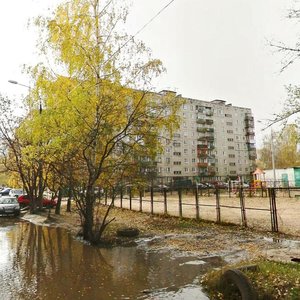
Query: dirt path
point(257, 210)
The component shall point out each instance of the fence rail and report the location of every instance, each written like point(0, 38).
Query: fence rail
point(275, 209)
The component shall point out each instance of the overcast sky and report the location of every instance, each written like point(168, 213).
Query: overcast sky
point(212, 49)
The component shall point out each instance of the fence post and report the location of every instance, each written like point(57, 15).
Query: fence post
point(218, 209)
point(273, 209)
point(165, 202)
point(121, 197)
point(242, 203)
point(151, 199)
point(130, 198)
point(197, 204)
point(288, 186)
point(141, 200)
point(180, 202)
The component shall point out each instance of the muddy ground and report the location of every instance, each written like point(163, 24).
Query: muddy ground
point(202, 238)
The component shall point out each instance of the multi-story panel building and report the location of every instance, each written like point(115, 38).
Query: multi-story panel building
point(214, 142)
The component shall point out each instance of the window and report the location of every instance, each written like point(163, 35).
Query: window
point(230, 148)
point(228, 115)
point(177, 153)
point(193, 160)
point(176, 144)
point(185, 151)
point(167, 160)
point(177, 172)
point(177, 163)
point(229, 123)
point(230, 140)
point(193, 169)
point(186, 170)
point(229, 131)
point(231, 156)
point(232, 164)
point(168, 170)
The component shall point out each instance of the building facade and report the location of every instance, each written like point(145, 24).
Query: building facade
point(214, 142)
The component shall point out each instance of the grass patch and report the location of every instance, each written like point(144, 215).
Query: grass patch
point(271, 280)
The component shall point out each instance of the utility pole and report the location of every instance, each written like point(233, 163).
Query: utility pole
point(273, 158)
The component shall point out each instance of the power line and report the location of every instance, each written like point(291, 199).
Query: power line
point(140, 30)
point(132, 37)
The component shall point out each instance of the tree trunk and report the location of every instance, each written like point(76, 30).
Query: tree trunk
point(58, 205)
point(69, 200)
point(88, 222)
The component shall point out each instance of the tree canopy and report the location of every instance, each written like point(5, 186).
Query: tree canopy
point(285, 149)
point(99, 121)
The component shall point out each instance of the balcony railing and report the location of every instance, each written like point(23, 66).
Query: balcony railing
point(202, 165)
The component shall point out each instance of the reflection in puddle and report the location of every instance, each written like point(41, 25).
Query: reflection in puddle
point(47, 263)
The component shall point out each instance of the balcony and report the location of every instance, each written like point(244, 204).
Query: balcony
point(209, 122)
point(201, 121)
point(202, 154)
point(250, 132)
point(202, 165)
point(202, 146)
point(251, 146)
point(201, 129)
point(249, 118)
point(249, 124)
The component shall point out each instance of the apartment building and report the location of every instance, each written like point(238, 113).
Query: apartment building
point(214, 142)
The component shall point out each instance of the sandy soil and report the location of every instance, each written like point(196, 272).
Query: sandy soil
point(257, 209)
point(233, 243)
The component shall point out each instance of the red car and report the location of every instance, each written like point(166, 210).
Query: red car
point(24, 200)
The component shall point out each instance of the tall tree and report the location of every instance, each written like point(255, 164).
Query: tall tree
point(285, 149)
point(96, 100)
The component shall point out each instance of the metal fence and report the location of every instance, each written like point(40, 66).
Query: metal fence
point(244, 206)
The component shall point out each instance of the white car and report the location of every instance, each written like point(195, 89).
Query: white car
point(16, 192)
point(9, 206)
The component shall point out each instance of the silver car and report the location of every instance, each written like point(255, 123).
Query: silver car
point(9, 206)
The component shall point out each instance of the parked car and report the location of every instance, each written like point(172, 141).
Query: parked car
point(5, 191)
point(209, 185)
point(220, 184)
point(9, 206)
point(24, 200)
point(16, 192)
point(201, 185)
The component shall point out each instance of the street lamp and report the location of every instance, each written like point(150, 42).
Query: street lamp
point(16, 82)
point(40, 163)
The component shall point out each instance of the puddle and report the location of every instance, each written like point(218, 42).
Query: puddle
point(284, 242)
point(47, 263)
